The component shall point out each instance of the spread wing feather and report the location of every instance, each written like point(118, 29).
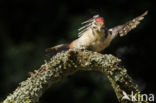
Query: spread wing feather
point(122, 30)
point(88, 25)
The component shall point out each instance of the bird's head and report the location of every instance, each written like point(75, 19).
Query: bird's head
point(96, 24)
point(99, 23)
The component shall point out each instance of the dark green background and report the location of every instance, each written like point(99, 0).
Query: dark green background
point(28, 27)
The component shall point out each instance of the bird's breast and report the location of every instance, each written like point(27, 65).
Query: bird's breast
point(94, 41)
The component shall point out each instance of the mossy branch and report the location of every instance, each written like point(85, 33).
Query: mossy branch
point(66, 63)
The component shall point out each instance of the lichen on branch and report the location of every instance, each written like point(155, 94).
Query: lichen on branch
point(67, 63)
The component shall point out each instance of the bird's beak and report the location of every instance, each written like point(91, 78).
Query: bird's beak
point(99, 28)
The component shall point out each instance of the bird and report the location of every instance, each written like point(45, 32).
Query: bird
point(95, 36)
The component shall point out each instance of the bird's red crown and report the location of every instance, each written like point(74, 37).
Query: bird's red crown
point(99, 19)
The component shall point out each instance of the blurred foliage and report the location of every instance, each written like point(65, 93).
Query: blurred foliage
point(28, 27)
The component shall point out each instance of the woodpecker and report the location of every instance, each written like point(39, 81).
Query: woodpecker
point(95, 36)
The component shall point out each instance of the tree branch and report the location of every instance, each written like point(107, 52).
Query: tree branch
point(66, 63)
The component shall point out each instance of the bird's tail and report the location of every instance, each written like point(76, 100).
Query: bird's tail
point(56, 49)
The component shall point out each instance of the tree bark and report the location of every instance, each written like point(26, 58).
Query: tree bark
point(67, 63)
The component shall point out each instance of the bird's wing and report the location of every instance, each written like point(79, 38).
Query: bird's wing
point(87, 25)
point(122, 30)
